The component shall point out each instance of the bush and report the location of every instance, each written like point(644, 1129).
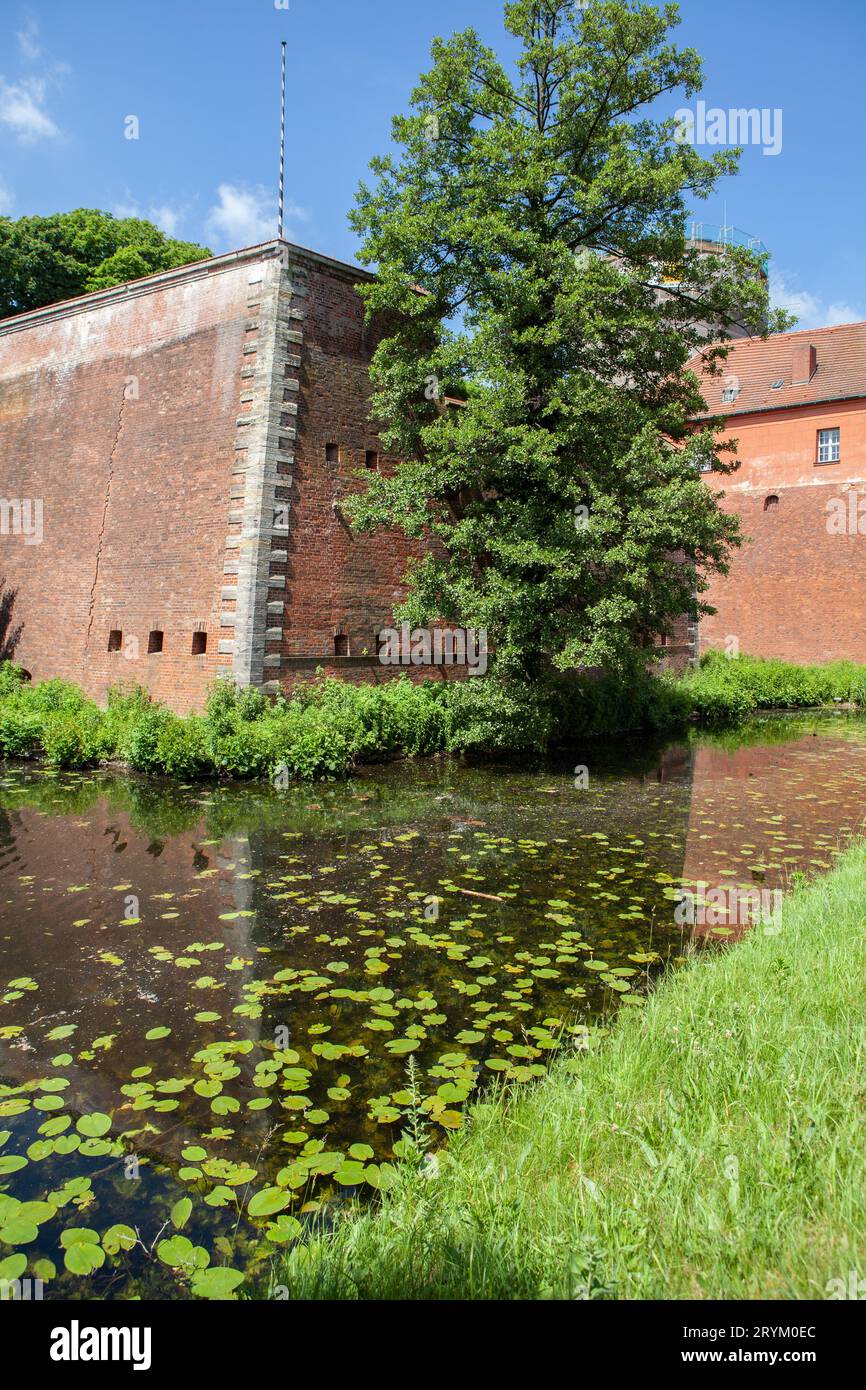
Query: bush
point(227, 706)
point(243, 751)
point(141, 746)
point(182, 748)
point(20, 731)
point(490, 715)
point(315, 754)
point(74, 738)
point(11, 679)
point(328, 725)
point(126, 705)
point(727, 688)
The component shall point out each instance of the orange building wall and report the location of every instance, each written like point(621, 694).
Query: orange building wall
point(795, 590)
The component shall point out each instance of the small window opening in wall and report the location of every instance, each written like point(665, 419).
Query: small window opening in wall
point(341, 644)
point(199, 643)
point(371, 459)
point(770, 502)
point(154, 641)
point(829, 446)
point(332, 453)
point(115, 639)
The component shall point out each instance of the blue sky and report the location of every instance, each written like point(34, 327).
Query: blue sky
point(202, 78)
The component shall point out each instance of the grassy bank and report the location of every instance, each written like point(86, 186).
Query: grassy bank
point(328, 726)
point(710, 1147)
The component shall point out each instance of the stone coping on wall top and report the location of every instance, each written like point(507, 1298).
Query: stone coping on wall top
point(196, 270)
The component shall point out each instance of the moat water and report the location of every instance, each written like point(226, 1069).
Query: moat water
point(222, 1005)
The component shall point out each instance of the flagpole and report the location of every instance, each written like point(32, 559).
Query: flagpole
point(283, 149)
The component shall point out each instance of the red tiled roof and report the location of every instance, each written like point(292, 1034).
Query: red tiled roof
point(840, 373)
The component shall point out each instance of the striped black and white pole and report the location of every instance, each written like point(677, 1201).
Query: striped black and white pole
point(283, 150)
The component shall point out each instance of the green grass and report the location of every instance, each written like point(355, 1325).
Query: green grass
point(712, 1146)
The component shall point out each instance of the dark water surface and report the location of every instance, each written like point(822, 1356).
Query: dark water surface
point(237, 995)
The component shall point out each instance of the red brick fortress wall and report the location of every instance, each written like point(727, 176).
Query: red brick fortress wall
point(119, 413)
point(190, 439)
point(340, 586)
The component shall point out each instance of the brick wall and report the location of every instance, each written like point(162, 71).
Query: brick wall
point(177, 432)
point(119, 411)
point(797, 588)
point(338, 582)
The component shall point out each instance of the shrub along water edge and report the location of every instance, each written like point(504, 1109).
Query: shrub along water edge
point(327, 726)
point(710, 1147)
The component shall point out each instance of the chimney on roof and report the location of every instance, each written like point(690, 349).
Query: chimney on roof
point(805, 363)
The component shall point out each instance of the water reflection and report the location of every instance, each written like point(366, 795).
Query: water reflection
point(238, 978)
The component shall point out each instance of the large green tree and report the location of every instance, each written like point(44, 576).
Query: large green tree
point(46, 259)
point(522, 231)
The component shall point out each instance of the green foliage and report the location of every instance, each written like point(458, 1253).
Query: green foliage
point(47, 259)
point(11, 678)
point(724, 689)
point(126, 704)
point(183, 747)
point(314, 752)
point(500, 715)
point(397, 719)
point(74, 737)
point(328, 725)
point(228, 706)
point(20, 730)
point(142, 744)
point(538, 211)
point(55, 696)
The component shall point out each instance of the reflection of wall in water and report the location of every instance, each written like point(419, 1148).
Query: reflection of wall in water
point(815, 784)
point(103, 853)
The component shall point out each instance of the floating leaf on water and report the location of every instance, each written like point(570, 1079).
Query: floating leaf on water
point(93, 1126)
point(12, 1267)
point(178, 1252)
point(218, 1283)
point(268, 1202)
point(84, 1254)
point(180, 1213)
point(118, 1238)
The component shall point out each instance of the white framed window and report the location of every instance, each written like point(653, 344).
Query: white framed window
point(829, 446)
point(730, 394)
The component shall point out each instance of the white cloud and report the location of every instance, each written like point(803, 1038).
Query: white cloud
point(242, 217)
point(810, 309)
point(22, 110)
point(7, 200)
point(28, 40)
point(164, 216)
point(245, 217)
